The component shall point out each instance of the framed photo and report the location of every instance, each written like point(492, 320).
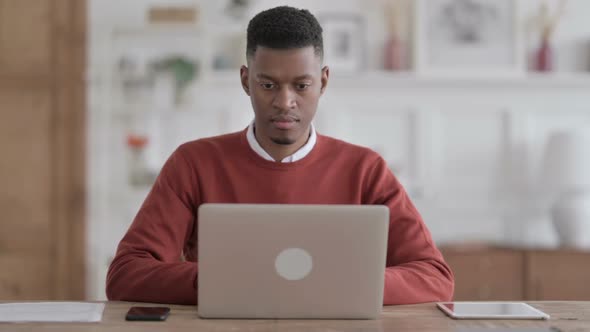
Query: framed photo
point(344, 42)
point(475, 38)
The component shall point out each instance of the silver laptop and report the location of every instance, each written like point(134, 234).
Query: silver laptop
point(291, 261)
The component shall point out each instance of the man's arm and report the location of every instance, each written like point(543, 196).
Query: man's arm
point(416, 271)
point(147, 266)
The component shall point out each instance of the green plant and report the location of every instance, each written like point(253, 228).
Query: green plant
point(183, 70)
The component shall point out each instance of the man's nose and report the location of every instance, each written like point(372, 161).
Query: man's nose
point(285, 99)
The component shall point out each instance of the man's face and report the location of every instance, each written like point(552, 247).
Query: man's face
point(284, 87)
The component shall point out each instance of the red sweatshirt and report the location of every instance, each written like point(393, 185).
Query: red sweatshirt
point(224, 169)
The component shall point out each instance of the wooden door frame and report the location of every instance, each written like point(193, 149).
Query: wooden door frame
point(69, 147)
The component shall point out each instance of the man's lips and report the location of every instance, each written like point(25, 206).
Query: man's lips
point(284, 122)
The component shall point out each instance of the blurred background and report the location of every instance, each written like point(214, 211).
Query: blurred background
point(481, 109)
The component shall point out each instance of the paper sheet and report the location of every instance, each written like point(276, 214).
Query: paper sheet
point(51, 312)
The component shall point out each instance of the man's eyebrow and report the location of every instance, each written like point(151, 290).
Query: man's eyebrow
point(264, 76)
point(303, 77)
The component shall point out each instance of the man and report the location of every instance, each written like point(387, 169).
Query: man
point(279, 158)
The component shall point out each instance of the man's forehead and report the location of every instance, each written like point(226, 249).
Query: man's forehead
point(261, 75)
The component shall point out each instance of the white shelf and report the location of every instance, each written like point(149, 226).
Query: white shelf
point(387, 80)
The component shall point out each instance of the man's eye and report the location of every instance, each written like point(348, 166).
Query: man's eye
point(267, 86)
point(303, 86)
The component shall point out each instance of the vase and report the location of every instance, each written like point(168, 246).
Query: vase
point(571, 218)
point(394, 54)
point(544, 56)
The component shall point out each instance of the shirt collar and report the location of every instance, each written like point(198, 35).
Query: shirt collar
point(299, 154)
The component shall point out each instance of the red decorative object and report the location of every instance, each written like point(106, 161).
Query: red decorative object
point(136, 141)
point(394, 54)
point(544, 57)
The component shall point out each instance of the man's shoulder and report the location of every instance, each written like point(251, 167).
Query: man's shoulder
point(212, 143)
point(341, 147)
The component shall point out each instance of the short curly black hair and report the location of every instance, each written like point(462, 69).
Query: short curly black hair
point(284, 27)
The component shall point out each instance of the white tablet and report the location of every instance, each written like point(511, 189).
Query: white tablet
point(490, 310)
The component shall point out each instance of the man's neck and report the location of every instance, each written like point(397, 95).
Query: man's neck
point(278, 152)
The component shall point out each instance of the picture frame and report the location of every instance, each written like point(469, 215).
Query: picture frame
point(468, 38)
point(344, 41)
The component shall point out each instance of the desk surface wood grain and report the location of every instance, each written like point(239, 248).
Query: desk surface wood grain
point(567, 316)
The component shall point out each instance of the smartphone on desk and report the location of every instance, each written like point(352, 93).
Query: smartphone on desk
point(147, 313)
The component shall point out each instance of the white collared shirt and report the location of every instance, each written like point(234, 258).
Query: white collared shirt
point(299, 154)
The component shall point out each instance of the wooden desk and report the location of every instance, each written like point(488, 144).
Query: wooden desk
point(568, 316)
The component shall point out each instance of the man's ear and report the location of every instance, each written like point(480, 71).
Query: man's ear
point(244, 79)
point(325, 77)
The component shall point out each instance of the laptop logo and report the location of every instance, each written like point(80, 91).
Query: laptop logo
point(293, 264)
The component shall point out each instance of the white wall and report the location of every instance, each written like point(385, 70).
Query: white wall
point(467, 150)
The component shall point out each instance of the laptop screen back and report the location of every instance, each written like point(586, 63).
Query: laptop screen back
point(291, 261)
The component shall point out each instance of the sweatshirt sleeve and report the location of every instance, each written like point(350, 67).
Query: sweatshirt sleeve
point(148, 266)
point(415, 269)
